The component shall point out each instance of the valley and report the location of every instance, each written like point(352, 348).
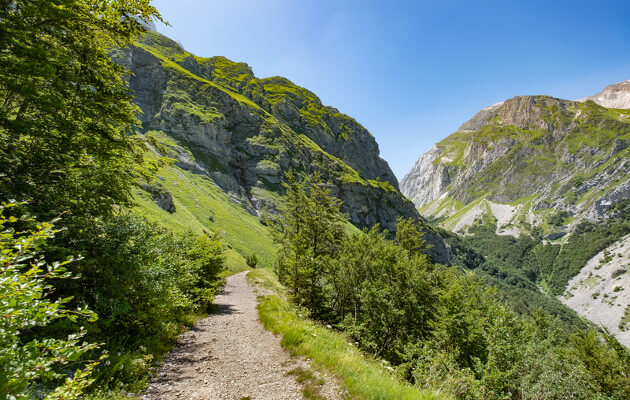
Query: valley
point(536, 166)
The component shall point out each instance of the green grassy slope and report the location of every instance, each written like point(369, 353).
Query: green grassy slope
point(202, 205)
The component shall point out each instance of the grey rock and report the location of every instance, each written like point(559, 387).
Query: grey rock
point(161, 196)
point(616, 95)
point(435, 176)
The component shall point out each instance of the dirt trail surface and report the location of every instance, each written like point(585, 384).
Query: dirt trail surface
point(229, 355)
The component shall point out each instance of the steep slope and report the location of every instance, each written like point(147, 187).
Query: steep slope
point(601, 291)
point(220, 122)
point(539, 186)
point(529, 161)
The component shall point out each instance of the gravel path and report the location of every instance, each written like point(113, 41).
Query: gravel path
point(229, 355)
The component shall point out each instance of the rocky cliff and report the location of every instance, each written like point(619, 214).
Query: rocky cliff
point(218, 120)
point(613, 96)
point(529, 161)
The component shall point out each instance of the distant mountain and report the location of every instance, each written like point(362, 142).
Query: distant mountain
point(613, 96)
point(553, 176)
point(241, 134)
point(527, 161)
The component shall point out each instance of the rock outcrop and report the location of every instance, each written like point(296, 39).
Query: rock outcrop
point(616, 95)
point(161, 196)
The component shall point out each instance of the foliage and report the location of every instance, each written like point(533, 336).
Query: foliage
point(443, 328)
point(380, 292)
point(310, 229)
point(142, 278)
point(65, 107)
point(527, 256)
point(66, 124)
point(146, 283)
point(25, 304)
point(363, 377)
point(252, 261)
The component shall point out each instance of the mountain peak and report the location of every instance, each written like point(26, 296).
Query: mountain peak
point(616, 95)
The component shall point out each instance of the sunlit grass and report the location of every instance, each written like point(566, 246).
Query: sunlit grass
point(329, 350)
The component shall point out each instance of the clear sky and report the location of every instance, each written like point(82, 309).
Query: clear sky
point(412, 71)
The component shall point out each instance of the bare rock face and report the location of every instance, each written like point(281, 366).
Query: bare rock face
point(427, 180)
point(479, 119)
point(613, 96)
point(216, 119)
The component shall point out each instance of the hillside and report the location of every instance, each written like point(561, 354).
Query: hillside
point(538, 186)
point(237, 135)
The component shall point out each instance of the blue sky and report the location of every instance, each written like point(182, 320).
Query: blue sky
point(413, 71)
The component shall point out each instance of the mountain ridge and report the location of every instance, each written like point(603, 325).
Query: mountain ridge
point(546, 178)
point(521, 148)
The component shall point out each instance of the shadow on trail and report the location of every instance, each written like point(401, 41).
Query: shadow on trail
point(223, 309)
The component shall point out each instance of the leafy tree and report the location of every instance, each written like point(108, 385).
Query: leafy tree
point(141, 277)
point(384, 295)
point(65, 107)
point(24, 304)
point(606, 361)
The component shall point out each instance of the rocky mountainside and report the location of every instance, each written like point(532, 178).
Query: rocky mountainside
point(219, 121)
point(529, 161)
point(555, 175)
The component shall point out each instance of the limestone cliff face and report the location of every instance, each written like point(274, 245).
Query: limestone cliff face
point(613, 96)
point(218, 120)
point(540, 154)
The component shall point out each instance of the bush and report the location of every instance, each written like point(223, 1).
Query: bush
point(252, 261)
point(145, 282)
point(25, 304)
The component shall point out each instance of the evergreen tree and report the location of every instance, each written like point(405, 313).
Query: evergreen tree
point(310, 230)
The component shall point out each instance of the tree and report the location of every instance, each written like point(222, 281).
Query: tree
point(310, 230)
point(65, 107)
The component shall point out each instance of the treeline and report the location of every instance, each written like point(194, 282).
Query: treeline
point(90, 292)
point(440, 327)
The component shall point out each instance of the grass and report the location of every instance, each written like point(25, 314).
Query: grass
point(311, 383)
point(363, 378)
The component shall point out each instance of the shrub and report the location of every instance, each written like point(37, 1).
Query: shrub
point(252, 261)
point(25, 304)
